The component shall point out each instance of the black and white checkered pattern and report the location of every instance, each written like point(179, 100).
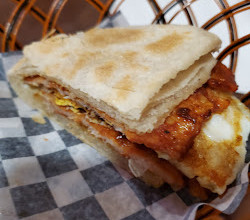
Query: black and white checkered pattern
point(46, 173)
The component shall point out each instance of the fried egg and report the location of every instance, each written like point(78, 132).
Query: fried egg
point(218, 152)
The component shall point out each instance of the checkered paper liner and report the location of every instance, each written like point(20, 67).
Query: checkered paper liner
point(46, 173)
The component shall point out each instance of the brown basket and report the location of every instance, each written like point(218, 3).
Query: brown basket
point(20, 13)
point(21, 9)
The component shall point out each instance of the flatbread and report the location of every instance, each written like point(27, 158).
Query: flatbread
point(123, 71)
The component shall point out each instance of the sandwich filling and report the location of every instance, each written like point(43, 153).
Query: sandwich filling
point(174, 137)
point(171, 141)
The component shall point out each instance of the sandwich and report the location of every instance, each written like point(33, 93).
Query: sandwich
point(152, 99)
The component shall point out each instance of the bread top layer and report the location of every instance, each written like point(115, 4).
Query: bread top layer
point(122, 70)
